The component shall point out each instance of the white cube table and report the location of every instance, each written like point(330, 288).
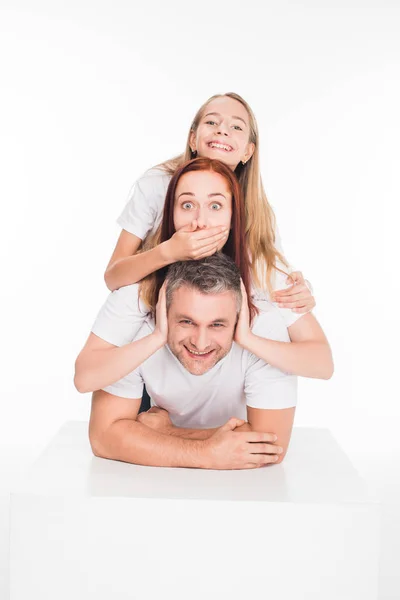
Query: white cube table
point(84, 528)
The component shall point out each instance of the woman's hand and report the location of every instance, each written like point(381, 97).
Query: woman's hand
point(161, 328)
point(189, 244)
point(243, 331)
point(298, 297)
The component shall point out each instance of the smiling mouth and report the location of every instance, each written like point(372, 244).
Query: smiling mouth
point(219, 146)
point(198, 355)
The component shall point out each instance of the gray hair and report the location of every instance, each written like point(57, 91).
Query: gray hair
point(211, 275)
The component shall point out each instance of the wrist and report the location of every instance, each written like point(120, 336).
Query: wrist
point(166, 252)
point(159, 339)
point(247, 341)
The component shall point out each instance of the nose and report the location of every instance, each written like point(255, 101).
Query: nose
point(202, 219)
point(200, 339)
point(222, 129)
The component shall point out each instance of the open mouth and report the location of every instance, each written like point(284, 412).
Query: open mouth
point(198, 355)
point(219, 146)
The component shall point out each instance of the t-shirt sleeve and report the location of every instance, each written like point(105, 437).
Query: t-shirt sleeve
point(130, 386)
point(144, 207)
point(265, 385)
point(121, 316)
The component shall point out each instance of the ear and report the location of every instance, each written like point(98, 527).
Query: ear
point(192, 141)
point(249, 151)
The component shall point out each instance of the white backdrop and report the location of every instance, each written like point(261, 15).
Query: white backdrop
point(94, 93)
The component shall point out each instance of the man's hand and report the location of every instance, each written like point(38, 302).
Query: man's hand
point(298, 297)
point(161, 328)
point(227, 449)
point(242, 329)
point(156, 418)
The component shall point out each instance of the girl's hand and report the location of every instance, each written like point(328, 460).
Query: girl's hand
point(161, 328)
point(189, 244)
point(298, 297)
point(243, 331)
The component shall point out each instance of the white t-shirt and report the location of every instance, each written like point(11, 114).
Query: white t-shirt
point(208, 400)
point(143, 213)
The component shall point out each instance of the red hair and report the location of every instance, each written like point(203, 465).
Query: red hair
point(235, 246)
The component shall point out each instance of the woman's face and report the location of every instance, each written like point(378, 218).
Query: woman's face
point(204, 197)
point(223, 132)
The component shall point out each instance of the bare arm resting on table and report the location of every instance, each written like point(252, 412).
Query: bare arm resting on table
point(115, 433)
point(279, 421)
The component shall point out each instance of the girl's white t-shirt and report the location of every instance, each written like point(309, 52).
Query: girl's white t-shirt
point(143, 213)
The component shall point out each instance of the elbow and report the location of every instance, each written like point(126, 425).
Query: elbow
point(98, 442)
point(108, 280)
point(326, 366)
point(329, 366)
point(81, 386)
point(80, 381)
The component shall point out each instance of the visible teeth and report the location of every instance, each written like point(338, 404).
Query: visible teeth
point(198, 353)
point(221, 146)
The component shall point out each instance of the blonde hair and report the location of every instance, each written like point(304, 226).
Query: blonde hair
point(260, 218)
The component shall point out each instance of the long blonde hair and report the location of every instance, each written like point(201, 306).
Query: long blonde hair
point(260, 218)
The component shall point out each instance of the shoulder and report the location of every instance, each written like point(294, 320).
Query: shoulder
point(270, 323)
point(154, 178)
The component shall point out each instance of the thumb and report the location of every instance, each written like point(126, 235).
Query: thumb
point(232, 424)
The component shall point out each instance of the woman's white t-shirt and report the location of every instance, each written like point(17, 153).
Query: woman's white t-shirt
point(143, 213)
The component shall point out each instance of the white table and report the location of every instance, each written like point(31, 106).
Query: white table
point(84, 528)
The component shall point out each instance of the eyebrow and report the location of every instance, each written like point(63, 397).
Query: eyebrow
point(209, 195)
point(181, 316)
point(219, 114)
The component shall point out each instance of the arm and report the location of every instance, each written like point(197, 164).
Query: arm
point(186, 244)
point(101, 363)
point(280, 421)
point(115, 433)
point(126, 267)
point(308, 354)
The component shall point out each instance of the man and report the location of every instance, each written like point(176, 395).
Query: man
point(201, 383)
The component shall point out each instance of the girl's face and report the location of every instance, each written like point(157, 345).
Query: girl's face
point(223, 132)
point(203, 196)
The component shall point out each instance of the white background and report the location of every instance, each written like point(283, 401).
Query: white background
point(94, 93)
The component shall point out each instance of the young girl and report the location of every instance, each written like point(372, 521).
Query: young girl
point(206, 192)
point(224, 128)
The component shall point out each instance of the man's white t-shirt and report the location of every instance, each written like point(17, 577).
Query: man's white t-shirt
point(143, 213)
point(199, 401)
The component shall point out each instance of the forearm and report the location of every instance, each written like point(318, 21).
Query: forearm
point(130, 441)
point(132, 269)
point(191, 434)
point(307, 358)
point(95, 369)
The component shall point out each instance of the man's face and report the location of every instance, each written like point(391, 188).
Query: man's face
point(201, 327)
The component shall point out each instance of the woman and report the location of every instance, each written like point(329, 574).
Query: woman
point(225, 129)
point(202, 194)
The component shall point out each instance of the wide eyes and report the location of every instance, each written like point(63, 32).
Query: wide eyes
point(189, 205)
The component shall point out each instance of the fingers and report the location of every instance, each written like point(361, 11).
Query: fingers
point(260, 460)
point(207, 249)
point(210, 232)
point(290, 291)
point(295, 276)
point(265, 449)
point(258, 436)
